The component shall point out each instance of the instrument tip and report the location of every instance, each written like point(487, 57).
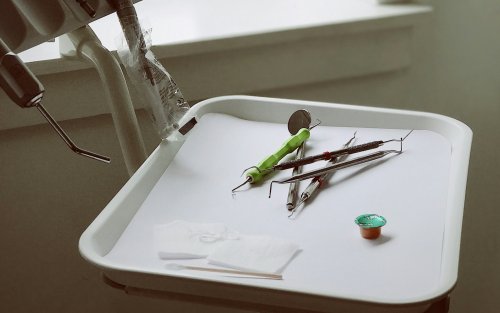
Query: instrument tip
point(248, 180)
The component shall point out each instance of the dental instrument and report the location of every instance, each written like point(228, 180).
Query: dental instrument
point(335, 167)
point(317, 181)
point(299, 119)
point(300, 134)
point(332, 154)
point(255, 173)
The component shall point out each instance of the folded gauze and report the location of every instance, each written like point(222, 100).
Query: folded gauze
point(185, 240)
point(254, 253)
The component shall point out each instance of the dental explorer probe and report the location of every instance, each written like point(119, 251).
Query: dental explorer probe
point(318, 180)
point(335, 167)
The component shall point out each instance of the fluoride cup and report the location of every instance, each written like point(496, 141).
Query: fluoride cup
point(370, 225)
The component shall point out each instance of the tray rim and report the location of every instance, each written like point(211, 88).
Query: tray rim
point(459, 135)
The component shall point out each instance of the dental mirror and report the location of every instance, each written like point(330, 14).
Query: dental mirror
point(299, 119)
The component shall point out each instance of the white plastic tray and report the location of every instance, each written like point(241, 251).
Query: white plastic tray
point(421, 193)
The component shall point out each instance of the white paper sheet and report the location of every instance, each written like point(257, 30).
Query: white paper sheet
point(409, 190)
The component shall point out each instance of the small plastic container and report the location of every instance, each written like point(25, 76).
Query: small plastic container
point(370, 225)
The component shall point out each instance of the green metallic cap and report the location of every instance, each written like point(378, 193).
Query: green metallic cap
point(370, 221)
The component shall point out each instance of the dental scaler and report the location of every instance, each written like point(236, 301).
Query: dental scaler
point(256, 173)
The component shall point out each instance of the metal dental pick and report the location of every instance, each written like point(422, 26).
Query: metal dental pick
point(256, 173)
point(337, 166)
point(299, 119)
point(317, 181)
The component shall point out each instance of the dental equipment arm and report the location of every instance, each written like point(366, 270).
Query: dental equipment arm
point(25, 24)
point(25, 90)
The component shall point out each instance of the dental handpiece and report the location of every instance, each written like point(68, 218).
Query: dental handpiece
point(26, 90)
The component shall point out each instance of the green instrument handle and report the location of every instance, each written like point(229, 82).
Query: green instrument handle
point(290, 145)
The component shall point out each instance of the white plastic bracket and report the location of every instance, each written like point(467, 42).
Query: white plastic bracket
point(83, 44)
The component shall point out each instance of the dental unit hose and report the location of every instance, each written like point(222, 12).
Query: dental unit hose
point(26, 90)
point(161, 95)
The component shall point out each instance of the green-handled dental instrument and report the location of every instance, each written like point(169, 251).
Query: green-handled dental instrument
point(256, 173)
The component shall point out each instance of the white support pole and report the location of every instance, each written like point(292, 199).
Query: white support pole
point(82, 43)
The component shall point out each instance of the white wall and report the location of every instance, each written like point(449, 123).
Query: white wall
point(48, 196)
point(456, 72)
point(468, 87)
